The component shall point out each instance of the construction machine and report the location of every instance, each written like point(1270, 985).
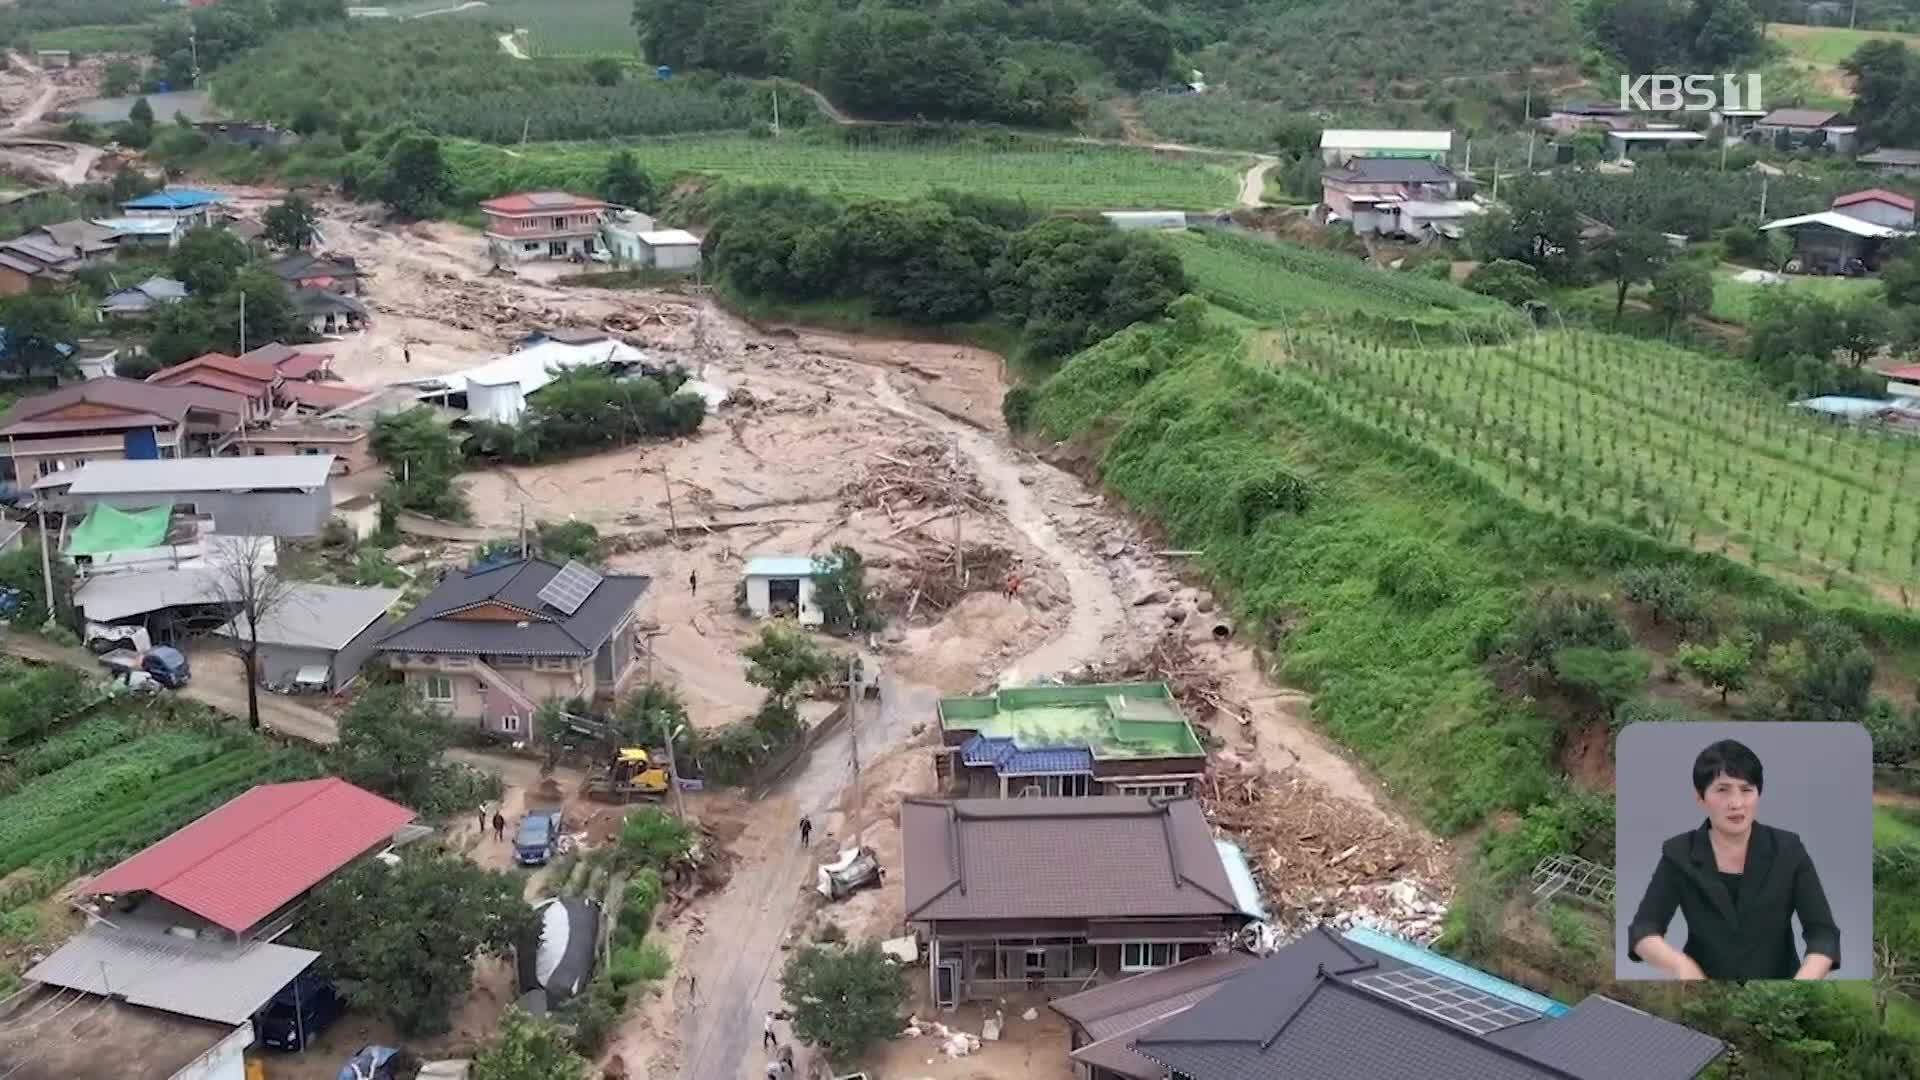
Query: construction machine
point(628, 774)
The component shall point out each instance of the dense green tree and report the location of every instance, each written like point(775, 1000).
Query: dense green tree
point(1825, 674)
point(784, 661)
point(1900, 276)
point(208, 260)
point(1681, 291)
point(1886, 92)
point(141, 114)
point(1507, 280)
point(1725, 32)
point(391, 742)
point(1606, 677)
point(400, 941)
point(1539, 226)
point(843, 999)
point(306, 12)
point(605, 71)
point(180, 333)
point(624, 182)
point(528, 1049)
point(290, 223)
point(270, 313)
point(118, 77)
point(1072, 283)
point(1724, 665)
point(414, 181)
point(650, 713)
point(840, 592)
point(37, 328)
point(1629, 257)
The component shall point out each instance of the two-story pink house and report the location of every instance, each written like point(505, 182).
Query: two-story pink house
point(543, 225)
point(490, 643)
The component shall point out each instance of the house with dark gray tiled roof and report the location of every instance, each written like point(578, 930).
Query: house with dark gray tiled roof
point(1361, 1005)
point(1015, 894)
point(491, 642)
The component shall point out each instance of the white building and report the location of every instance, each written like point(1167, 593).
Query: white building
point(620, 235)
point(1624, 142)
point(1338, 146)
point(671, 249)
point(780, 585)
point(498, 390)
point(1146, 219)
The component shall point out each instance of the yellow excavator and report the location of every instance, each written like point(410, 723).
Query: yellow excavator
point(629, 774)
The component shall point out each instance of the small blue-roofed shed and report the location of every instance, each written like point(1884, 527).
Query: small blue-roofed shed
point(782, 585)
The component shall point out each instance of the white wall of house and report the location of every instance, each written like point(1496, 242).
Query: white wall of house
point(1896, 388)
point(225, 1061)
point(760, 601)
point(1894, 217)
point(674, 256)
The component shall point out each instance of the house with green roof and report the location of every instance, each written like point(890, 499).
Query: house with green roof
point(1105, 739)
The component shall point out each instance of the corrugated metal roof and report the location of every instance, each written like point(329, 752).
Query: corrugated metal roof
point(259, 850)
point(1246, 892)
point(1355, 139)
point(780, 566)
point(167, 475)
point(1657, 136)
point(1891, 198)
point(1840, 222)
point(138, 226)
point(203, 979)
point(174, 199)
point(1809, 118)
point(318, 616)
point(1098, 857)
point(669, 238)
point(1125, 1004)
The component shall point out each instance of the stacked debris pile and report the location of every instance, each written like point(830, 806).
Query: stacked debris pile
point(1201, 690)
point(936, 583)
point(921, 474)
point(1318, 860)
point(953, 1042)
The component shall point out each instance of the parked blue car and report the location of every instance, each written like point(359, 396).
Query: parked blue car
point(533, 841)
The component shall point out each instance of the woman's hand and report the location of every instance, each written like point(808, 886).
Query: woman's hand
point(1814, 967)
point(1688, 971)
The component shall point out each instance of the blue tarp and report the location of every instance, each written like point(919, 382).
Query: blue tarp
point(174, 199)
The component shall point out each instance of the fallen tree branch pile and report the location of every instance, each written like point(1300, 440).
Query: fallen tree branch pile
point(938, 582)
point(922, 474)
point(1201, 691)
point(1318, 860)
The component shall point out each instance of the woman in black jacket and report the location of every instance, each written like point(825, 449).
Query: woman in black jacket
point(1739, 884)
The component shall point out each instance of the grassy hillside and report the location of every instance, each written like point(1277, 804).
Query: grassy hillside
point(557, 27)
point(1829, 44)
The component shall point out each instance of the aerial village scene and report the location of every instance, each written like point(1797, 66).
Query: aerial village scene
point(991, 540)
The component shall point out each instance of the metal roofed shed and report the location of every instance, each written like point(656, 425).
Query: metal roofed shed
point(671, 249)
point(782, 585)
point(225, 982)
point(331, 628)
point(175, 199)
point(259, 851)
point(266, 496)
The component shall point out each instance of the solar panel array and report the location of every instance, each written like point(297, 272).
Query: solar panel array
point(570, 587)
point(1456, 1003)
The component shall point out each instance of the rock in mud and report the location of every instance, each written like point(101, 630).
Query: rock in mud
point(1152, 596)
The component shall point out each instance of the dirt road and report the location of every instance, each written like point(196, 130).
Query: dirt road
point(62, 163)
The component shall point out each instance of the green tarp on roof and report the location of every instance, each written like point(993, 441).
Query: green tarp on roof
point(107, 529)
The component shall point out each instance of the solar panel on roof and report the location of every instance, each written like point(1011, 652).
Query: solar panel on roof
point(1455, 1002)
point(550, 198)
point(570, 587)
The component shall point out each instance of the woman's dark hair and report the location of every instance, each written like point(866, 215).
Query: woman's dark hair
point(1730, 759)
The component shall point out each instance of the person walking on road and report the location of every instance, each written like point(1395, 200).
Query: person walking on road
point(767, 1038)
point(693, 582)
point(483, 821)
point(499, 826)
point(806, 831)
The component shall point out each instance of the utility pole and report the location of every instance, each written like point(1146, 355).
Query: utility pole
point(776, 110)
point(1530, 152)
point(243, 320)
point(673, 525)
point(46, 560)
point(853, 745)
point(1723, 150)
point(1764, 178)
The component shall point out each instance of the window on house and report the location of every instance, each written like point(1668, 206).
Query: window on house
point(531, 245)
point(1146, 955)
point(559, 223)
point(439, 688)
point(1054, 787)
point(1152, 790)
point(510, 723)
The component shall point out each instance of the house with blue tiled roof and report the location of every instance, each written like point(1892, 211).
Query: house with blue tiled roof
point(1106, 739)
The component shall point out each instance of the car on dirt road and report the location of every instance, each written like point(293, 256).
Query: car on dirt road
point(851, 872)
point(534, 840)
point(166, 664)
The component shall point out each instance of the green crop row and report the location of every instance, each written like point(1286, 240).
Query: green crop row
point(51, 802)
point(187, 790)
point(1047, 174)
point(1278, 282)
point(1625, 432)
point(94, 735)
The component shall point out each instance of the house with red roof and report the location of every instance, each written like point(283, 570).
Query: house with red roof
point(180, 953)
point(237, 870)
point(543, 225)
point(218, 371)
point(1903, 381)
point(1878, 205)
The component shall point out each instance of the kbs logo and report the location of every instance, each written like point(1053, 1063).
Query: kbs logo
point(1689, 93)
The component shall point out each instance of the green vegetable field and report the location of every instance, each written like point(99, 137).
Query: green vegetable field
point(88, 778)
point(1281, 283)
point(556, 27)
point(1050, 175)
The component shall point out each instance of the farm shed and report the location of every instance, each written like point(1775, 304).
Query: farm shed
point(1146, 219)
point(1889, 161)
point(1878, 205)
point(266, 496)
point(782, 584)
point(671, 249)
point(1621, 142)
point(1827, 238)
point(318, 629)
